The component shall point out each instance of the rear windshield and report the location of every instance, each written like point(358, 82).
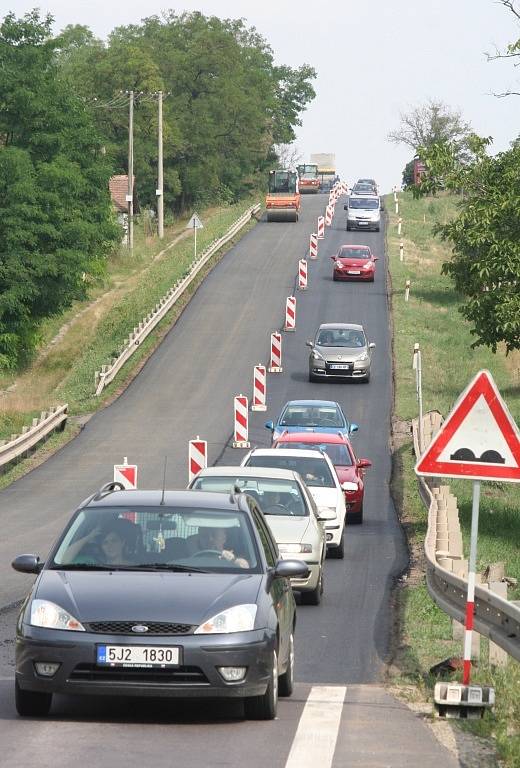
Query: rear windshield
point(275, 496)
point(186, 538)
point(311, 416)
point(337, 452)
point(314, 471)
point(366, 204)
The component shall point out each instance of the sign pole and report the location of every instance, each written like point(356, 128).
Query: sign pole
point(195, 230)
point(472, 567)
point(418, 388)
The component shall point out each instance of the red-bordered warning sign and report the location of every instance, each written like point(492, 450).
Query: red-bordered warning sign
point(126, 474)
point(479, 439)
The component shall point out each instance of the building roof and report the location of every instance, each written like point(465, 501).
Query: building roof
point(118, 186)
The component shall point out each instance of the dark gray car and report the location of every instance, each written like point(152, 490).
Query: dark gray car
point(340, 350)
point(148, 593)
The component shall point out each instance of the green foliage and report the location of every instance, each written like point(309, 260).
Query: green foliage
point(485, 236)
point(55, 219)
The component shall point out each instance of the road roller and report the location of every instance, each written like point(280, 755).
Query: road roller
point(282, 202)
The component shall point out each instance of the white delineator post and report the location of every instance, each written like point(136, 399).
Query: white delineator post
point(397, 206)
point(470, 601)
point(275, 365)
point(417, 367)
point(407, 290)
point(241, 427)
point(401, 251)
point(197, 457)
point(399, 223)
point(259, 388)
point(302, 275)
point(313, 246)
point(321, 227)
point(290, 313)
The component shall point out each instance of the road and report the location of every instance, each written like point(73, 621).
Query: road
point(186, 389)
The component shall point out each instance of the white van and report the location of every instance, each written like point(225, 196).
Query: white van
point(363, 212)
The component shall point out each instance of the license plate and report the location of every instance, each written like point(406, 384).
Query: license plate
point(363, 223)
point(354, 272)
point(339, 367)
point(138, 655)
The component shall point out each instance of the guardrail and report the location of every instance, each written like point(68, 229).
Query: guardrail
point(41, 427)
point(108, 372)
point(446, 569)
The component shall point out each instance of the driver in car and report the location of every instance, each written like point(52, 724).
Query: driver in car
point(214, 539)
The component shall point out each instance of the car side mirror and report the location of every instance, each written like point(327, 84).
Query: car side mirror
point(372, 345)
point(375, 258)
point(333, 258)
point(269, 425)
point(382, 206)
point(291, 569)
point(27, 564)
point(309, 343)
point(353, 428)
point(363, 463)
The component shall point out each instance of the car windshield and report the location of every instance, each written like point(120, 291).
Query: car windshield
point(366, 204)
point(162, 538)
point(341, 337)
point(274, 496)
point(354, 253)
point(338, 453)
point(312, 416)
point(315, 471)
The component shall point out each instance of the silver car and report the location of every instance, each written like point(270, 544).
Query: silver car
point(290, 512)
point(340, 350)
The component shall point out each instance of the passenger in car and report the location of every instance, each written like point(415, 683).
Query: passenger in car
point(214, 539)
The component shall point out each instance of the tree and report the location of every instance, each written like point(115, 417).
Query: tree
point(287, 155)
point(56, 224)
point(431, 123)
point(485, 237)
point(512, 51)
point(408, 174)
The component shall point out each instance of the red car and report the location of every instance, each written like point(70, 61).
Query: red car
point(349, 469)
point(354, 262)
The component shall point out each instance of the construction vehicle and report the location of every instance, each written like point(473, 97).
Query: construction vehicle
point(309, 181)
point(283, 198)
point(326, 163)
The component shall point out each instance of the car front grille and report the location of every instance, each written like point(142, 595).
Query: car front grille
point(90, 673)
point(125, 628)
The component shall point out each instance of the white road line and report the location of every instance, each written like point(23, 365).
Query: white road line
point(315, 739)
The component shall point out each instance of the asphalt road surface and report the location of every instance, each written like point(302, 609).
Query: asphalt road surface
point(340, 714)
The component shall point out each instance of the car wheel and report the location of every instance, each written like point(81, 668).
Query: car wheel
point(286, 681)
point(338, 553)
point(312, 378)
point(31, 703)
point(264, 707)
point(366, 378)
point(377, 229)
point(334, 278)
point(356, 518)
point(348, 228)
point(313, 597)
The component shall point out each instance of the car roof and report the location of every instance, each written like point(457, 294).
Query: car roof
point(346, 326)
point(353, 245)
point(315, 403)
point(267, 472)
point(153, 498)
point(298, 452)
point(312, 437)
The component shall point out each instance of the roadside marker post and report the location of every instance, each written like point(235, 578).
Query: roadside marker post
point(417, 367)
point(194, 223)
point(275, 365)
point(302, 275)
point(321, 227)
point(397, 206)
point(241, 428)
point(259, 388)
point(401, 251)
point(197, 457)
point(290, 314)
point(399, 223)
point(329, 213)
point(126, 474)
point(478, 441)
point(407, 290)
point(313, 246)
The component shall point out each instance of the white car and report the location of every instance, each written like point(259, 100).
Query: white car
point(290, 512)
point(363, 212)
point(320, 477)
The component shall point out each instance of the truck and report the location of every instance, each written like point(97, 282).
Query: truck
point(309, 180)
point(326, 163)
point(282, 202)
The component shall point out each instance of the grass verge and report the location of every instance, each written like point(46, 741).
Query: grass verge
point(430, 317)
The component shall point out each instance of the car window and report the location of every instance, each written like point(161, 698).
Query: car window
point(342, 337)
point(354, 253)
point(144, 536)
point(338, 453)
point(271, 554)
point(314, 471)
point(275, 496)
point(312, 416)
point(366, 204)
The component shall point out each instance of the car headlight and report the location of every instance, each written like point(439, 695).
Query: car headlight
point(240, 618)
point(317, 355)
point(349, 487)
point(295, 549)
point(363, 358)
point(52, 616)
point(368, 265)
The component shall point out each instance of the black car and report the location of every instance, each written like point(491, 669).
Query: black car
point(151, 593)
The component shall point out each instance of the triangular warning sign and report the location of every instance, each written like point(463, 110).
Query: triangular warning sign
point(479, 439)
point(126, 474)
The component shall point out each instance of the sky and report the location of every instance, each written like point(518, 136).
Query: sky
point(374, 61)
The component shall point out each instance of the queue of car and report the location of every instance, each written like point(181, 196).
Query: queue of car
point(190, 593)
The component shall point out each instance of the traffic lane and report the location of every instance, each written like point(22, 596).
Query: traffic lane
point(122, 733)
point(185, 389)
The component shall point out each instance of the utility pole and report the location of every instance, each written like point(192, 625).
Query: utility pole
point(130, 195)
point(160, 181)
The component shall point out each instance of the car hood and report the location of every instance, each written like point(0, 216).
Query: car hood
point(342, 355)
point(346, 474)
point(287, 529)
point(324, 497)
point(187, 598)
